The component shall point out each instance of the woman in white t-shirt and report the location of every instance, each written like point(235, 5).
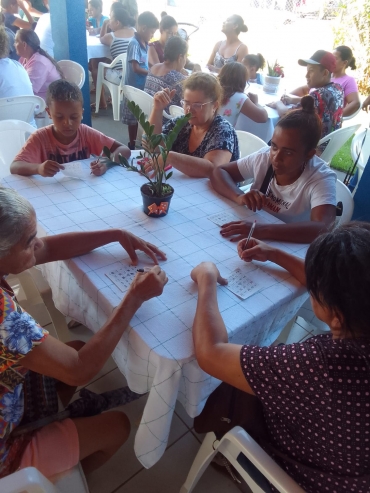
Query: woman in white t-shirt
point(297, 187)
point(233, 78)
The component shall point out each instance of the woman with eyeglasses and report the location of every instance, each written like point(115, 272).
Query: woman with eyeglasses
point(233, 78)
point(167, 28)
point(207, 140)
point(169, 73)
point(289, 181)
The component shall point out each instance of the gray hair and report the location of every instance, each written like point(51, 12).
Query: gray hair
point(15, 213)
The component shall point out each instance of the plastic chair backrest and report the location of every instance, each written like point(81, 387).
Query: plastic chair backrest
point(249, 143)
point(13, 135)
point(144, 100)
point(121, 58)
point(21, 108)
point(73, 72)
point(345, 118)
point(176, 111)
point(336, 140)
point(356, 147)
point(344, 195)
point(28, 480)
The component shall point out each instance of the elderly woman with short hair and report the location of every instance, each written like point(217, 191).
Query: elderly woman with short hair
point(25, 345)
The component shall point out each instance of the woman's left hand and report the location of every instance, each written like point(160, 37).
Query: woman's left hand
point(131, 243)
point(238, 230)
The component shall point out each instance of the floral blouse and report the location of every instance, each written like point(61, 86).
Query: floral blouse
point(231, 110)
point(220, 136)
point(19, 334)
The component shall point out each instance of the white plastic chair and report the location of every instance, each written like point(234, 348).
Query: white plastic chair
point(22, 108)
point(176, 111)
point(364, 151)
point(248, 458)
point(73, 72)
point(30, 480)
point(249, 143)
point(336, 140)
point(115, 89)
point(13, 135)
point(346, 118)
point(344, 195)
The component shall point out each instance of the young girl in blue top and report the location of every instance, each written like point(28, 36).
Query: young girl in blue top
point(96, 18)
point(137, 66)
point(254, 63)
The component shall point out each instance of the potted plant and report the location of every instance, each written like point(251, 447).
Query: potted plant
point(272, 79)
point(157, 193)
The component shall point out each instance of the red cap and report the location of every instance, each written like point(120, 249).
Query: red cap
point(320, 57)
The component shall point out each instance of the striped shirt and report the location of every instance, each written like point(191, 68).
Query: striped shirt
point(118, 47)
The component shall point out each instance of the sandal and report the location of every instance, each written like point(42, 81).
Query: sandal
point(93, 107)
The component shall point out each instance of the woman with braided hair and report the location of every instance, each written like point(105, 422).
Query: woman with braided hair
point(41, 67)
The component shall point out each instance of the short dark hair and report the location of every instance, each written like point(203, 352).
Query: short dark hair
point(306, 121)
point(62, 90)
point(167, 22)
point(123, 17)
point(148, 19)
point(347, 56)
point(233, 77)
point(175, 47)
point(96, 4)
point(337, 269)
point(7, 3)
point(257, 61)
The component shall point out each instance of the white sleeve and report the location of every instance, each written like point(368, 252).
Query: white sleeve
point(324, 190)
point(249, 165)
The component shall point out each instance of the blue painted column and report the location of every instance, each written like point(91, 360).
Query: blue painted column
point(69, 34)
point(362, 197)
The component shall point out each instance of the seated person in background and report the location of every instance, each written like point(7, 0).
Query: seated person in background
point(66, 140)
point(25, 346)
point(233, 78)
point(207, 140)
point(312, 397)
point(328, 96)
point(10, 9)
point(12, 54)
point(41, 68)
point(96, 17)
point(131, 7)
point(344, 58)
point(300, 188)
point(254, 63)
point(231, 50)
point(169, 73)
point(167, 28)
point(118, 40)
point(14, 80)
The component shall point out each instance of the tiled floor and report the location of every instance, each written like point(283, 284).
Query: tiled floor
point(124, 473)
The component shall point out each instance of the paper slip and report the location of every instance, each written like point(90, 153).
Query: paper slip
point(75, 170)
point(241, 284)
point(223, 218)
point(122, 277)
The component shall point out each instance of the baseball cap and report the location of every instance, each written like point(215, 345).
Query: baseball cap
point(320, 57)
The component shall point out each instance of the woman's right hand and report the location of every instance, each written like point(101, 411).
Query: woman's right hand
point(163, 98)
point(366, 104)
point(257, 250)
point(49, 168)
point(254, 200)
point(149, 284)
point(286, 100)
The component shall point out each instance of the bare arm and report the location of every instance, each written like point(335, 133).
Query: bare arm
point(137, 69)
point(224, 180)
point(153, 56)
point(215, 355)
point(214, 51)
point(26, 6)
point(47, 168)
point(55, 359)
point(106, 39)
point(242, 52)
point(254, 111)
point(104, 28)
point(198, 167)
point(68, 245)
point(301, 91)
point(22, 24)
point(352, 104)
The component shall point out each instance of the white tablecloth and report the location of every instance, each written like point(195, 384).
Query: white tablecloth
point(95, 49)
point(263, 130)
point(156, 353)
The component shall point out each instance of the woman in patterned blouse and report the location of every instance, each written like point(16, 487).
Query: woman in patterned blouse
point(207, 140)
point(313, 395)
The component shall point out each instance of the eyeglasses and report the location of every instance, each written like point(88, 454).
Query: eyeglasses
point(194, 106)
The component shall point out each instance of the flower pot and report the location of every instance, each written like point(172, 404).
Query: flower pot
point(271, 84)
point(155, 206)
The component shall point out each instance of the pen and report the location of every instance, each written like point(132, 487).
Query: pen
point(98, 161)
point(250, 234)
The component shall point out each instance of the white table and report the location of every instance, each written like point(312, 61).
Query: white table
point(263, 130)
point(156, 353)
point(95, 49)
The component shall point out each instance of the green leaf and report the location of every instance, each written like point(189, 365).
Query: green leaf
point(123, 160)
point(168, 176)
point(107, 152)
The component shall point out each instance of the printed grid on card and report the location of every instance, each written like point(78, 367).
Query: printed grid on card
point(122, 277)
point(223, 218)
